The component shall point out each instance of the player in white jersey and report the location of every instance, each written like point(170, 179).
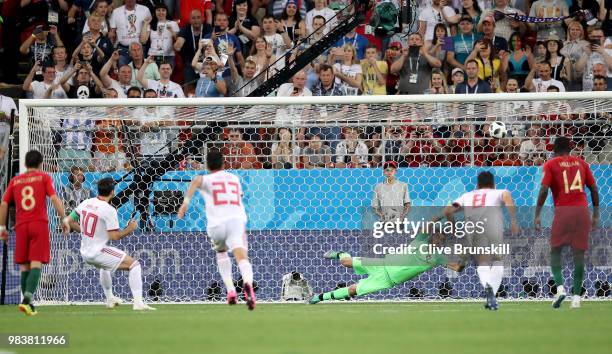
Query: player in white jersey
point(226, 223)
point(98, 223)
point(485, 205)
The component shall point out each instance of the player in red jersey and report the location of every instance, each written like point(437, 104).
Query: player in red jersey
point(29, 192)
point(566, 177)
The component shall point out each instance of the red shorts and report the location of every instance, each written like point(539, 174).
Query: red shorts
point(32, 242)
point(571, 226)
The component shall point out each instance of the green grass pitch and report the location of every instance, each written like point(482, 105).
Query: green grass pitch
point(339, 328)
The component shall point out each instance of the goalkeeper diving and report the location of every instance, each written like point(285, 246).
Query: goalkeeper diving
point(385, 273)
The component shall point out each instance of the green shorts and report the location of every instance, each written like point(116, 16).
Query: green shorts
point(377, 279)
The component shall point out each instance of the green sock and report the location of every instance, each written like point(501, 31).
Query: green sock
point(32, 284)
point(578, 272)
point(338, 294)
point(555, 265)
point(24, 280)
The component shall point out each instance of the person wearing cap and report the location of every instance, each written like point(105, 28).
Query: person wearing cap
point(391, 199)
point(414, 66)
point(40, 44)
point(463, 43)
point(504, 26)
point(546, 9)
point(487, 29)
point(457, 77)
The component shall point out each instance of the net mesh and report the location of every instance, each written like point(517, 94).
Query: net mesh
point(308, 170)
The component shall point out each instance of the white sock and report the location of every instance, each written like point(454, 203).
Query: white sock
point(107, 283)
point(560, 289)
point(484, 275)
point(246, 270)
point(135, 280)
point(497, 274)
point(224, 263)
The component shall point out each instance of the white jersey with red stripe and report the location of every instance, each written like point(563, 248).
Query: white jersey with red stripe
point(483, 203)
point(222, 192)
point(96, 218)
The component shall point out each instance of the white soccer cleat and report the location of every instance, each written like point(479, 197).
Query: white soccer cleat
point(559, 297)
point(575, 302)
point(143, 307)
point(113, 302)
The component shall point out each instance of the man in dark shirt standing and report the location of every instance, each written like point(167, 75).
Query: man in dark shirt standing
point(414, 67)
point(188, 41)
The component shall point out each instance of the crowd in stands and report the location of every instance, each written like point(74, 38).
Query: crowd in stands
point(224, 48)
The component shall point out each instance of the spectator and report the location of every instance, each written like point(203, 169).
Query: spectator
point(432, 15)
point(347, 71)
point(469, 8)
point(88, 52)
point(414, 66)
point(329, 86)
point(374, 72)
point(457, 77)
point(293, 114)
point(40, 44)
point(134, 92)
point(292, 21)
point(600, 69)
point(490, 67)
point(60, 62)
point(238, 153)
point(391, 55)
point(74, 192)
point(573, 49)
point(263, 54)
point(126, 25)
point(437, 83)
point(122, 85)
point(85, 85)
point(533, 150)
point(155, 132)
point(488, 33)
point(462, 43)
point(316, 154)
point(392, 148)
point(504, 26)
point(520, 60)
point(243, 85)
point(436, 47)
point(541, 83)
point(96, 37)
point(285, 151)
point(138, 59)
point(222, 39)
point(211, 82)
point(561, 66)
point(161, 33)
point(277, 38)
point(358, 42)
point(77, 131)
point(244, 25)
point(108, 150)
point(189, 7)
point(321, 9)
point(601, 83)
point(545, 9)
point(276, 7)
point(592, 54)
point(589, 5)
point(101, 12)
point(188, 41)
point(352, 151)
point(472, 85)
point(163, 87)
point(46, 88)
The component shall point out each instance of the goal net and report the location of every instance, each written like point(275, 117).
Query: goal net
point(308, 166)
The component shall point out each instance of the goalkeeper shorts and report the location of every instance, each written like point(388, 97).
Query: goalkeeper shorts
point(377, 279)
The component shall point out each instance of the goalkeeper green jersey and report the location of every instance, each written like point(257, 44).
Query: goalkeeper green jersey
point(403, 267)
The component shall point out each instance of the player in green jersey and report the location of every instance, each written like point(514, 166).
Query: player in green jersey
point(385, 273)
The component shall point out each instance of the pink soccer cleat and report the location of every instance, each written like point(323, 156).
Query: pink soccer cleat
point(232, 297)
point(249, 295)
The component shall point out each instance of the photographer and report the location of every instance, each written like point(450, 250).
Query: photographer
point(414, 66)
point(593, 53)
point(40, 44)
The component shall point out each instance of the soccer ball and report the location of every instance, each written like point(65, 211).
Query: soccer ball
point(498, 130)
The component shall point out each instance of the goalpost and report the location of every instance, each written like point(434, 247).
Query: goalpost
point(308, 187)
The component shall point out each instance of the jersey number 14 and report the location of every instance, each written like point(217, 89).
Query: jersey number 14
point(576, 182)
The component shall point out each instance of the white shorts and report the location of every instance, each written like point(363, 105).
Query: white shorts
point(229, 235)
point(109, 258)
